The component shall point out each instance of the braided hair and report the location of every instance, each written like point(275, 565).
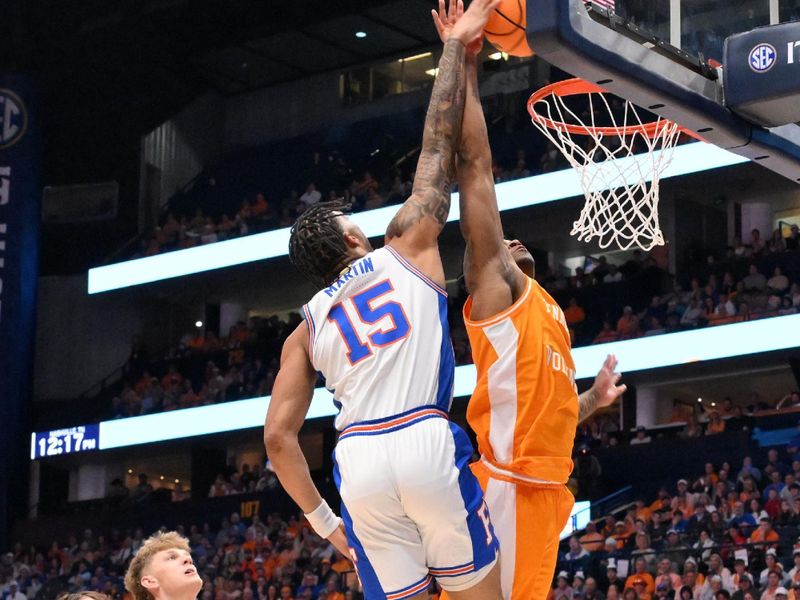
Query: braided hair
point(316, 242)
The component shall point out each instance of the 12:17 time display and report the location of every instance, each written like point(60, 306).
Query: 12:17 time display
point(65, 441)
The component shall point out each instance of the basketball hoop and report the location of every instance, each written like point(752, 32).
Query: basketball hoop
point(620, 185)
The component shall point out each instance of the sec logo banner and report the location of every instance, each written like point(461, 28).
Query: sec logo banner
point(762, 58)
point(13, 119)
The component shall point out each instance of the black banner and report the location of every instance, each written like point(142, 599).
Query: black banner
point(762, 74)
point(19, 247)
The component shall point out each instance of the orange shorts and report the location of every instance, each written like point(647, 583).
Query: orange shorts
point(528, 519)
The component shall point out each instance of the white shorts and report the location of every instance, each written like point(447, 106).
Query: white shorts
point(412, 508)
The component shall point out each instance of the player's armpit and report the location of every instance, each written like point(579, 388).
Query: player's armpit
point(291, 397)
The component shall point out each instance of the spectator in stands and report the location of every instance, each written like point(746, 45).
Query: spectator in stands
point(641, 436)
point(642, 549)
point(576, 558)
point(641, 576)
point(574, 314)
point(725, 307)
point(693, 429)
point(606, 334)
point(715, 424)
point(612, 575)
point(309, 198)
point(614, 275)
point(776, 485)
point(665, 574)
point(626, 322)
point(13, 592)
point(592, 540)
point(754, 280)
point(756, 243)
point(778, 283)
point(692, 578)
point(590, 590)
point(740, 517)
point(562, 591)
point(776, 243)
point(674, 549)
point(763, 533)
point(691, 316)
point(700, 520)
point(748, 470)
point(716, 567)
point(704, 544)
point(143, 489)
point(774, 463)
point(772, 586)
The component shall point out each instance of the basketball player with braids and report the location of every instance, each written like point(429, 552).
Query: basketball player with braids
point(525, 407)
point(377, 332)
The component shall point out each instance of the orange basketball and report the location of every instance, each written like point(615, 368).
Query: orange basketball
point(506, 28)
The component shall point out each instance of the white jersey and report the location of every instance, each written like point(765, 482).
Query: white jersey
point(379, 337)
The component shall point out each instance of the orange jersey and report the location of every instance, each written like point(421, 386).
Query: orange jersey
point(524, 409)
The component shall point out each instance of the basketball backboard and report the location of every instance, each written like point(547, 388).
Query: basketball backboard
point(665, 55)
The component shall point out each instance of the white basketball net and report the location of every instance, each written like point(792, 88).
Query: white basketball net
point(620, 186)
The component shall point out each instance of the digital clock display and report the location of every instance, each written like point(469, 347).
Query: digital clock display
point(65, 441)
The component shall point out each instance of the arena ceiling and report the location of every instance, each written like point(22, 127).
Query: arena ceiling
point(111, 70)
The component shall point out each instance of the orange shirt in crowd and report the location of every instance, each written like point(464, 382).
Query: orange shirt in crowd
point(574, 315)
point(261, 206)
point(625, 324)
point(758, 535)
point(342, 566)
point(650, 584)
point(592, 542)
point(644, 513)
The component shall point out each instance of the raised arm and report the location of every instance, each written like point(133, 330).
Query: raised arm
point(489, 269)
point(416, 226)
point(291, 397)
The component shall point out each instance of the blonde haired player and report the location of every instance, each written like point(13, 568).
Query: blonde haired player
point(163, 569)
point(525, 407)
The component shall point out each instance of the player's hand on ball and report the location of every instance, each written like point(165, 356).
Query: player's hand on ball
point(605, 384)
point(339, 540)
point(469, 26)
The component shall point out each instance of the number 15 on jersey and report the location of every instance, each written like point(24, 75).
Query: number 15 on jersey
point(371, 306)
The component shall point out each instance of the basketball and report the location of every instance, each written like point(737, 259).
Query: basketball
point(506, 28)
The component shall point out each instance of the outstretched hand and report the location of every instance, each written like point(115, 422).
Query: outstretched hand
point(605, 383)
point(470, 31)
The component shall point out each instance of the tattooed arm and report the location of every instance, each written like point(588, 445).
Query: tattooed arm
point(604, 390)
point(416, 226)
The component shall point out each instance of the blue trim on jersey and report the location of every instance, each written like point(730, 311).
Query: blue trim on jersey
point(439, 572)
point(472, 494)
point(429, 413)
point(447, 361)
point(366, 573)
point(411, 411)
point(412, 269)
point(312, 333)
point(411, 590)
